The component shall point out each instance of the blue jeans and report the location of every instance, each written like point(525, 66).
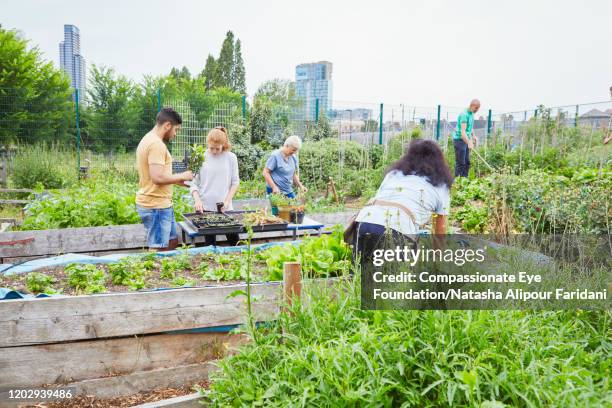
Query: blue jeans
point(160, 225)
point(288, 195)
point(462, 158)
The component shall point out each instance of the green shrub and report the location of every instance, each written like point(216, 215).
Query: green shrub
point(330, 158)
point(44, 165)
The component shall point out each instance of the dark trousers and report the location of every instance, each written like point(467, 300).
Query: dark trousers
point(232, 239)
point(370, 237)
point(462, 158)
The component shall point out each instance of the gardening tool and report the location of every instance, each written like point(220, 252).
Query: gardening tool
point(483, 160)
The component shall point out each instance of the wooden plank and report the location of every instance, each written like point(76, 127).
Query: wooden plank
point(31, 366)
point(112, 387)
point(15, 201)
point(56, 319)
point(16, 190)
point(59, 241)
point(186, 401)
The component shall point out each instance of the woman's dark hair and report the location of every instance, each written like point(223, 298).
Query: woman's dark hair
point(424, 158)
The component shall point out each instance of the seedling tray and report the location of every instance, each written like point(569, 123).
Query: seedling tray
point(234, 226)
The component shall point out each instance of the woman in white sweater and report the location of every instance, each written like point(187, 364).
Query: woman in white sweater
point(218, 179)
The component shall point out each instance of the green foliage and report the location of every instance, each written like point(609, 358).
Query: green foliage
point(111, 111)
point(534, 202)
point(95, 202)
point(225, 63)
point(238, 74)
point(332, 353)
point(131, 272)
point(320, 257)
point(86, 278)
point(39, 164)
point(34, 95)
point(209, 72)
point(37, 282)
point(249, 156)
point(280, 200)
point(321, 130)
point(330, 158)
point(180, 281)
point(275, 103)
point(197, 154)
point(171, 265)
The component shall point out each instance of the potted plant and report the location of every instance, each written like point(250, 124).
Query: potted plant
point(278, 200)
point(296, 214)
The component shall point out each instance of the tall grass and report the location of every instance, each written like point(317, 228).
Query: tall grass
point(332, 354)
point(48, 165)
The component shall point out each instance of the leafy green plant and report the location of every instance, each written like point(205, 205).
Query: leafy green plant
point(196, 157)
point(95, 202)
point(320, 257)
point(37, 282)
point(279, 200)
point(86, 278)
point(131, 272)
point(182, 281)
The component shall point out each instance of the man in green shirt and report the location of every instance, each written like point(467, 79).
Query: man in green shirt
point(464, 139)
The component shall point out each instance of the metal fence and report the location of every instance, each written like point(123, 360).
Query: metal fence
point(93, 136)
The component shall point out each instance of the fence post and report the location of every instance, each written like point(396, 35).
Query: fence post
point(317, 110)
point(380, 126)
point(576, 117)
point(438, 123)
point(158, 100)
point(489, 124)
point(78, 131)
point(292, 281)
point(244, 108)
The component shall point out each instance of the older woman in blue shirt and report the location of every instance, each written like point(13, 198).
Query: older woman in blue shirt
point(282, 169)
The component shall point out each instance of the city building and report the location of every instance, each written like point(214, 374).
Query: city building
point(313, 82)
point(71, 59)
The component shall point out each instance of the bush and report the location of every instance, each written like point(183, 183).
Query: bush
point(40, 164)
point(331, 158)
point(249, 155)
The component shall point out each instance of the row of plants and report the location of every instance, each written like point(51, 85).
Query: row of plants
point(91, 203)
point(321, 256)
point(534, 202)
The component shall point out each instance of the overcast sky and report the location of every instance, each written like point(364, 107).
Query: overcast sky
point(511, 55)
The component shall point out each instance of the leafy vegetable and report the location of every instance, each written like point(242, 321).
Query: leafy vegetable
point(86, 278)
point(37, 282)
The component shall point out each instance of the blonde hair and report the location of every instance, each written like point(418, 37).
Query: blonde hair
point(293, 141)
point(218, 135)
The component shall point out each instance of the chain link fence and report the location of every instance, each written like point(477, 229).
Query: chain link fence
point(84, 135)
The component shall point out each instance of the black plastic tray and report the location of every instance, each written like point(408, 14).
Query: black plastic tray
point(231, 229)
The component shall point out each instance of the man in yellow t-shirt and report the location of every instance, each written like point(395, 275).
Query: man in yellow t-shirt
point(155, 180)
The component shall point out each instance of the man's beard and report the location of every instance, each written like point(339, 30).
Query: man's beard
point(166, 136)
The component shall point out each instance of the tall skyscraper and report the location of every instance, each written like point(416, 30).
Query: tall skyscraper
point(71, 59)
point(314, 81)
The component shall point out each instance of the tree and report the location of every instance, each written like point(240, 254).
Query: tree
point(180, 75)
point(225, 63)
point(276, 102)
point(321, 130)
point(112, 113)
point(209, 72)
point(239, 84)
point(35, 97)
